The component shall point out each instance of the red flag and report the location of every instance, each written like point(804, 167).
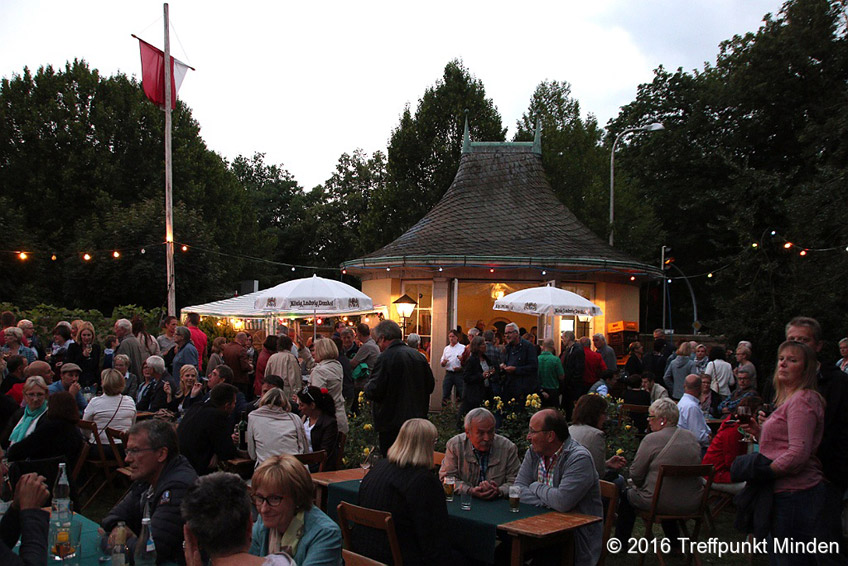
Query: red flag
point(153, 74)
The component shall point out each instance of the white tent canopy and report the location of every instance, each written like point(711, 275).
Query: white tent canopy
point(242, 307)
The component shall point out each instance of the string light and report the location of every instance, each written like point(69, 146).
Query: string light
point(184, 248)
point(787, 245)
point(803, 252)
point(86, 257)
point(53, 257)
point(755, 245)
point(633, 278)
point(710, 275)
point(116, 254)
point(143, 251)
point(544, 272)
point(23, 256)
point(440, 269)
point(491, 270)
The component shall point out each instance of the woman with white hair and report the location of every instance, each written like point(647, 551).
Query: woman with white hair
point(14, 345)
point(328, 374)
point(842, 363)
point(666, 444)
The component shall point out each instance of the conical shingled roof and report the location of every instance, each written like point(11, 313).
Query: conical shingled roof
point(501, 197)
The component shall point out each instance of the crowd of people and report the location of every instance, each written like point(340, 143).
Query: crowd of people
point(290, 397)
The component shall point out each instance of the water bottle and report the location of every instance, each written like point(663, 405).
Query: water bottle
point(61, 504)
point(120, 552)
point(145, 549)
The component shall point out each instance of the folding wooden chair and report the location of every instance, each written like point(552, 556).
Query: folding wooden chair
point(653, 515)
point(311, 458)
point(437, 459)
point(112, 435)
point(382, 520)
point(609, 491)
point(96, 459)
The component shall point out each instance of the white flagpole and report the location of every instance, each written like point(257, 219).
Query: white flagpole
point(169, 200)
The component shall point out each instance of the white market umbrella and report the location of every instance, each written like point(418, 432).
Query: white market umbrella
point(312, 294)
point(547, 301)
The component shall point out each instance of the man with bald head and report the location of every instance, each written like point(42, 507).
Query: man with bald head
point(691, 416)
point(235, 356)
point(40, 368)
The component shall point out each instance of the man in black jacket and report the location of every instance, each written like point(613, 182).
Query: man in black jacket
point(400, 384)
point(574, 363)
point(153, 396)
point(519, 365)
point(161, 477)
point(205, 431)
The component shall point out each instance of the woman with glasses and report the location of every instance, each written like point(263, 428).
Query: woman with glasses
point(328, 374)
point(404, 484)
point(319, 423)
point(666, 444)
point(216, 511)
point(272, 428)
point(288, 522)
point(29, 417)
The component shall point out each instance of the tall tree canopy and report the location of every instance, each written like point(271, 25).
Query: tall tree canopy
point(82, 170)
point(754, 144)
point(425, 148)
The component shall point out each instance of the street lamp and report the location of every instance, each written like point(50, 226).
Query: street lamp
point(405, 305)
point(655, 127)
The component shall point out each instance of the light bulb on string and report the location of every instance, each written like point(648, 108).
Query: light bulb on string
point(803, 252)
point(633, 278)
point(116, 254)
point(544, 272)
point(86, 257)
point(53, 257)
point(787, 245)
point(773, 233)
point(184, 248)
point(143, 251)
point(23, 256)
point(755, 245)
point(709, 275)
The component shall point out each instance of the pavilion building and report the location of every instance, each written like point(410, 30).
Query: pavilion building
point(499, 228)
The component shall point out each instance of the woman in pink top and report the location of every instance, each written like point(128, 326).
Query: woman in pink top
point(789, 437)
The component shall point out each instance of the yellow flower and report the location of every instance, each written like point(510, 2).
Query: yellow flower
point(367, 426)
point(366, 451)
point(361, 396)
point(626, 427)
point(486, 403)
point(512, 400)
point(496, 398)
point(619, 452)
point(344, 461)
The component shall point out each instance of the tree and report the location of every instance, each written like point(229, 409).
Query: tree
point(78, 152)
point(577, 167)
point(424, 150)
point(753, 144)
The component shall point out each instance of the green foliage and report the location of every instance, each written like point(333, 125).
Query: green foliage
point(45, 317)
point(514, 417)
point(361, 437)
point(754, 143)
point(448, 424)
point(425, 148)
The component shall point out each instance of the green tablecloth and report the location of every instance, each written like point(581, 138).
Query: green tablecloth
point(89, 541)
point(473, 532)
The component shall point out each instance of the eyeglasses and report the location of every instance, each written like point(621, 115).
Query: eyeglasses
point(134, 451)
point(651, 417)
point(531, 431)
point(271, 500)
point(511, 332)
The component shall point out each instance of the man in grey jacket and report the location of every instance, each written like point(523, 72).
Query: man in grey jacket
point(559, 473)
point(485, 463)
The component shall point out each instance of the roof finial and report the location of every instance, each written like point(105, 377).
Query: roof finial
point(466, 137)
point(537, 139)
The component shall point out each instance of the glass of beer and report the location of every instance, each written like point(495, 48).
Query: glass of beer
point(514, 498)
point(450, 485)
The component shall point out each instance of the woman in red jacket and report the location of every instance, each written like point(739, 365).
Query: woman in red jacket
point(728, 444)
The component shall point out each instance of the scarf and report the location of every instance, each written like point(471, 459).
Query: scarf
point(286, 542)
point(20, 431)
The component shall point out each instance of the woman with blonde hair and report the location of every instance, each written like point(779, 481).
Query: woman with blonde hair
point(27, 418)
point(288, 522)
point(188, 378)
point(272, 428)
point(85, 352)
point(328, 374)
point(790, 437)
point(404, 484)
point(112, 409)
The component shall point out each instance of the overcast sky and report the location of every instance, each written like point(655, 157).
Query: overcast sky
point(304, 82)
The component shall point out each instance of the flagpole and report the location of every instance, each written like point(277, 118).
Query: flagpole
point(169, 199)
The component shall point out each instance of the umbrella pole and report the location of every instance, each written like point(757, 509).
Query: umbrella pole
point(314, 325)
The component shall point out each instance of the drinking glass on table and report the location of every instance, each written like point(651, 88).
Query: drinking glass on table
point(514, 498)
point(450, 486)
point(465, 500)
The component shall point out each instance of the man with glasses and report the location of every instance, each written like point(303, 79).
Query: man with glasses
point(519, 365)
point(560, 474)
point(160, 479)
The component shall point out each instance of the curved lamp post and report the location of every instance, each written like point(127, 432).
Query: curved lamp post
point(655, 127)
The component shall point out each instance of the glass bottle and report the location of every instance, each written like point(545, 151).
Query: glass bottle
point(120, 551)
point(145, 549)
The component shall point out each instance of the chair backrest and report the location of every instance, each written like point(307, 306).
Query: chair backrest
point(437, 458)
point(91, 428)
point(342, 440)
point(113, 434)
point(609, 491)
point(698, 472)
point(629, 408)
point(382, 520)
point(310, 458)
point(353, 559)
